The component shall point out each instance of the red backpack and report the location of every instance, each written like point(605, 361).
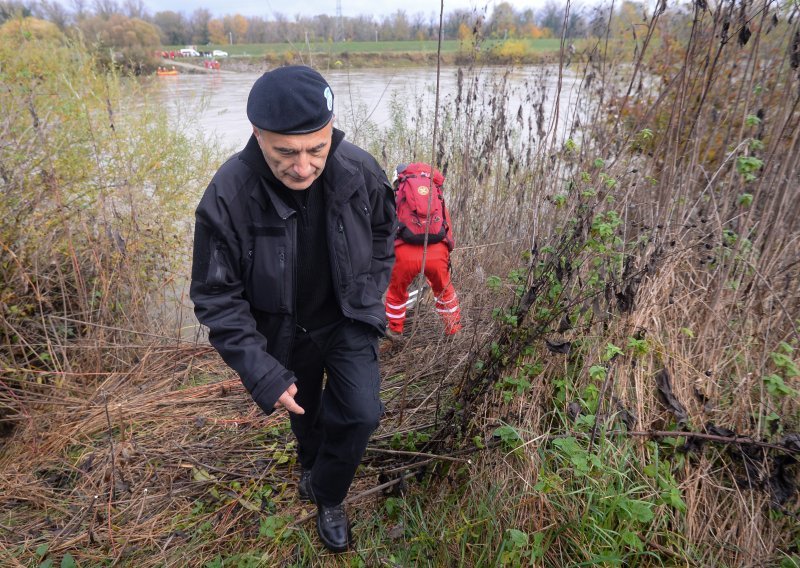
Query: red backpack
point(412, 198)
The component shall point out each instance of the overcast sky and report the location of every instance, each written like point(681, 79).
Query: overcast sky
point(350, 8)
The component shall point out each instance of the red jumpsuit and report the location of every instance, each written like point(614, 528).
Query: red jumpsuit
point(408, 263)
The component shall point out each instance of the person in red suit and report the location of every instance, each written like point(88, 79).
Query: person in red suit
point(409, 263)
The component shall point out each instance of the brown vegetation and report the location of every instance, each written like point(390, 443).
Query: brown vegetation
point(624, 390)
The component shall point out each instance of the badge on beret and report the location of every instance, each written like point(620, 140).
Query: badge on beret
point(329, 97)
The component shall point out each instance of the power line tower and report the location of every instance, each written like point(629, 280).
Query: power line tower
point(338, 34)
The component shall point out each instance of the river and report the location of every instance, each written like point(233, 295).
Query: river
point(217, 102)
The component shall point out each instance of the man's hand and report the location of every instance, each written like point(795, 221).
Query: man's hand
point(287, 401)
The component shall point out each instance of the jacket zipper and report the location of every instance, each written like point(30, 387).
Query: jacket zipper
point(347, 313)
point(293, 223)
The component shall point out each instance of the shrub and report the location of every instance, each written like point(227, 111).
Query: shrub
point(95, 205)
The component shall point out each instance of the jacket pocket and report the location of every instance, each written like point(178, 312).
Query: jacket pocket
point(269, 281)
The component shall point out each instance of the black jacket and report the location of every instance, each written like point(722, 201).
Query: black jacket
point(244, 267)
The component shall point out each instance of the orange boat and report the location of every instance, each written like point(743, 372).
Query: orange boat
point(166, 72)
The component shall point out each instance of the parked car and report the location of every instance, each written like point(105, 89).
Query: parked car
point(219, 53)
point(189, 52)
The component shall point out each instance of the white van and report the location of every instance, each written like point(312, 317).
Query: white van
point(189, 52)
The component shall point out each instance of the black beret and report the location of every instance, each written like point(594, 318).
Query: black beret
point(290, 100)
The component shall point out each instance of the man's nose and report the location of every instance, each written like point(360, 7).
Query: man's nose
point(302, 165)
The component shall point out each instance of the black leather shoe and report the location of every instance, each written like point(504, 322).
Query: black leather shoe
point(333, 527)
point(304, 486)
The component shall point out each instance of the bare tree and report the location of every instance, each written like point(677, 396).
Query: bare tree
point(106, 8)
point(135, 9)
point(552, 17)
point(503, 22)
point(396, 26)
point(198, 24)
point(173, 26)
point(79, 9)
point(257, 30)
point(13, 9)
point(53, 12)
point(453, 20)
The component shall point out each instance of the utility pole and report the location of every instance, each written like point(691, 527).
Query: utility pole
point(230, 38)
point(339, 34)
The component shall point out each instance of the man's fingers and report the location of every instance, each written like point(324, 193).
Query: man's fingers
point(292, 406)
point(287, 401)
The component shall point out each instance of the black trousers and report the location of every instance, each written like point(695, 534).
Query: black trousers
point(339, 419)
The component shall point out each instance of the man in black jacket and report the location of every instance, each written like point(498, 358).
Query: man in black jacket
point(293, 250)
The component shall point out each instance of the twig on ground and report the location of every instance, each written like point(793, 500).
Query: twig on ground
point(744, 440)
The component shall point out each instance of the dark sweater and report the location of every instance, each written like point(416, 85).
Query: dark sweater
point(316, 300)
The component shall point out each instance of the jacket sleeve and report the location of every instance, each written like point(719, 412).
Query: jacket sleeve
point(384, 227)
point(217, 292)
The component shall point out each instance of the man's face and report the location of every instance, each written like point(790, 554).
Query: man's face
point(296, 159)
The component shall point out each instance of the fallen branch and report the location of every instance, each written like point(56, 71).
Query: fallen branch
point(744, 440)
point(418, 455)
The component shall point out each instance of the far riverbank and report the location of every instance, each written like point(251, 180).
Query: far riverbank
point(363, 55)
point(359, 60)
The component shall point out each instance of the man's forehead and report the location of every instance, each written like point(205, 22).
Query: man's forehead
point(317, 139)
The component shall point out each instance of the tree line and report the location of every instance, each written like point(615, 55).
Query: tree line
point(123, 23)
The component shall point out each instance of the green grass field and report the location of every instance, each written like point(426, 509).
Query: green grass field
point(449, 46)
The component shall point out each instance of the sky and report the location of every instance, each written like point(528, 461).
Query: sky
point(350, 8)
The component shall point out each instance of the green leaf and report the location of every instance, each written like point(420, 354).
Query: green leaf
point(508, 435)
point(745, 199)
point(639, 346)
point(68, 561)
point(199, 474)
point(675, 499)
point(752, 120)
point(791, 562)
point(747, 165)
point(271, 526)
point(632, 540)
point(597, 372)
point(786, 363)
point(517, 538)
point(641, 511)
point(611, 352)
point(777, 387)
point(494, 282)
point(249, 505)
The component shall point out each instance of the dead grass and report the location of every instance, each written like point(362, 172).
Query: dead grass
point(660, 262)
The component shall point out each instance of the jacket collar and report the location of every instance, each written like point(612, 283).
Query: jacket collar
point(339, 176)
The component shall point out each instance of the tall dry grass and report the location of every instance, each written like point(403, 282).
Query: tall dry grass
point(657, 244)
